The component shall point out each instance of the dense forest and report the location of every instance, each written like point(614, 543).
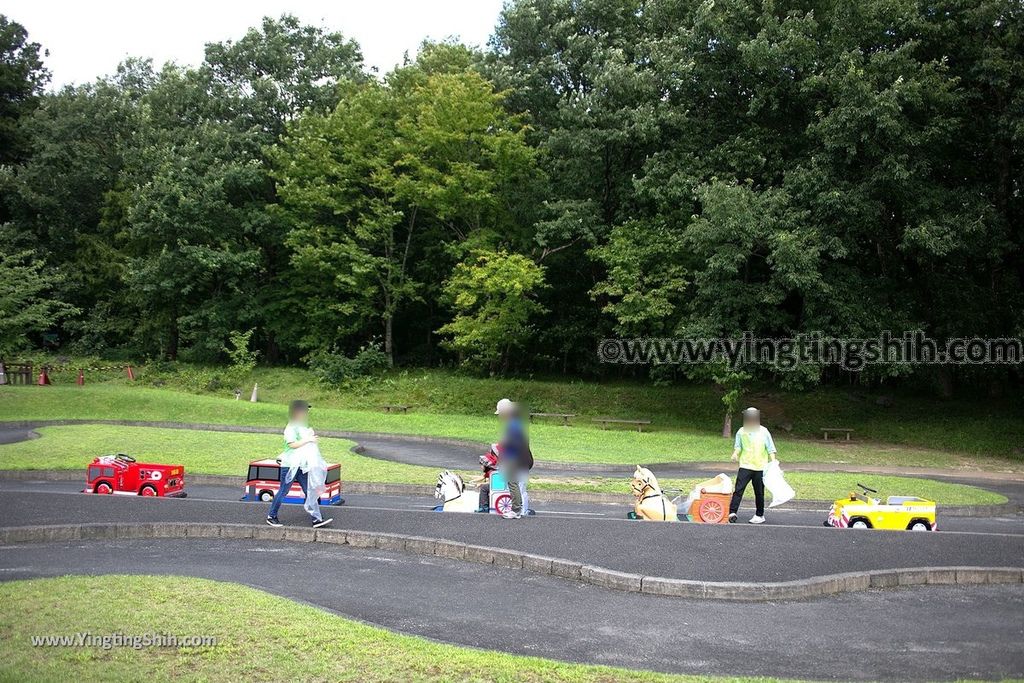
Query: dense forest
point(601, 168)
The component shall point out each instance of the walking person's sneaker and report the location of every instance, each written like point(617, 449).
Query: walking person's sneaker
point(757, 519)
point(317, 523)
point(512, 514)
point(274, 521)
point(732, 518)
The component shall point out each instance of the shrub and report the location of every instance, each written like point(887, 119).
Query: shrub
point(334, 368)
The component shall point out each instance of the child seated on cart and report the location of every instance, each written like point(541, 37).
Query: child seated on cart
point(489, 463)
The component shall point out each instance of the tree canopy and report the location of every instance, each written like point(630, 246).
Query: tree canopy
point(638, 168)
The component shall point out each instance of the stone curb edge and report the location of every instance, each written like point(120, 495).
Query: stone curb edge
point(801, 589)
point(540, 496)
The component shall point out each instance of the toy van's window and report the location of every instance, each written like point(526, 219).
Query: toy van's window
point(94, 472)
point(271, 473)
point(333, 475)
point(108, 471)
point(252, 472)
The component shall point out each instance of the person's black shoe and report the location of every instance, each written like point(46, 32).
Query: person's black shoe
point(274, 521)
point(317, 523)
point(732, 518)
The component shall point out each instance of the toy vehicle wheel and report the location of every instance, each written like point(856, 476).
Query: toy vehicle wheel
point(503, 503)
point(859, 523)
point(919, 525)
point(711, 511)
point(266, 496)
point(147, 490)
point(104, 487)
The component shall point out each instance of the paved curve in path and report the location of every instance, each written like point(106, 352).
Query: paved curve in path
point(737, 552)
point(936, 633)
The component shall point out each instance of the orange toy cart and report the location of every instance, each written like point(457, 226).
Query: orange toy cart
point(710, 508)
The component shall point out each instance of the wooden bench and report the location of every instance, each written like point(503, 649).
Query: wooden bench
point(18, 373)
point(605, 421)
point(825, 431)
point(395, 408)
point(564, 417)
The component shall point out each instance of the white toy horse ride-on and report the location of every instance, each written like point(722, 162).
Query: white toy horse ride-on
point(457, 498)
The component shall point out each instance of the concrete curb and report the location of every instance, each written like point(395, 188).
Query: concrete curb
point(541, 496)
point(801, 589)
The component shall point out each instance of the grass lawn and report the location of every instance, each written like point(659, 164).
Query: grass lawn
point(550, 442)
point(72, 447)
point(970, 425)
point(307, 643)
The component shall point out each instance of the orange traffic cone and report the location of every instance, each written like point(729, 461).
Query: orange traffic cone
point(128, 371)
point(44, 378)
point(81, 378)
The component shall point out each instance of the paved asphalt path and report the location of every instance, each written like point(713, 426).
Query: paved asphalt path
point(740, 552)
point(1009, 524)
point(937, 633)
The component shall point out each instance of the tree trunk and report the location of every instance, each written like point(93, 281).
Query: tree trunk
point(173, 339)
point(727, 424)
point(945, 379)
point(388, 349)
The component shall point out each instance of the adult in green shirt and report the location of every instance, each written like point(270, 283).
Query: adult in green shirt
point(754, 449)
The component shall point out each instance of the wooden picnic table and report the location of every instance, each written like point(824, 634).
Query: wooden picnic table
point(605, 421)
point(395, 408)
point(825, 431)
point(563, 416)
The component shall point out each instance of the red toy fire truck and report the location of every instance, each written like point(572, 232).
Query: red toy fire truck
point(121, 475)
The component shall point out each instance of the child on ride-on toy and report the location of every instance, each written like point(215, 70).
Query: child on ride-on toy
point(489, 462)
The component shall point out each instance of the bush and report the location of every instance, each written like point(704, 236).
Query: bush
point(334, 368)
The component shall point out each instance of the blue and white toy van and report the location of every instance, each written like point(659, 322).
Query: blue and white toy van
point(264, 480)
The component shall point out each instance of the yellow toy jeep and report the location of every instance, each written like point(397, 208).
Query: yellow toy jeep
point(897, 513)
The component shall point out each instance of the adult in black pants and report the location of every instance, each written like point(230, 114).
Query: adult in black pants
point(754, 449)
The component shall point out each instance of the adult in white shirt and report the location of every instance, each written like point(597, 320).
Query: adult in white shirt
point(300, 456)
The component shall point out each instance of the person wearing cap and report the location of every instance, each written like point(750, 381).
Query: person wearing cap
point(300, 442)
point(754, 449)
point(516, 459)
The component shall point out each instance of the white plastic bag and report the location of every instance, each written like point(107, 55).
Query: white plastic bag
point(718, 484)
point(776, 484)
point(316, 483)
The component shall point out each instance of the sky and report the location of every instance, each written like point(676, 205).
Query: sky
point(88, 38)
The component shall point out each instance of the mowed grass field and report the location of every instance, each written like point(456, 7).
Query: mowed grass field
point(307, 643)
point(912, 418)
point(551, 442)
point(204, 452)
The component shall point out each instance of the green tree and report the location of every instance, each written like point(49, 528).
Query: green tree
point(27, 304)
point(62, 197)
point(193, 199)
point(398, 169)
point(22, 79)
point(493, 296)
